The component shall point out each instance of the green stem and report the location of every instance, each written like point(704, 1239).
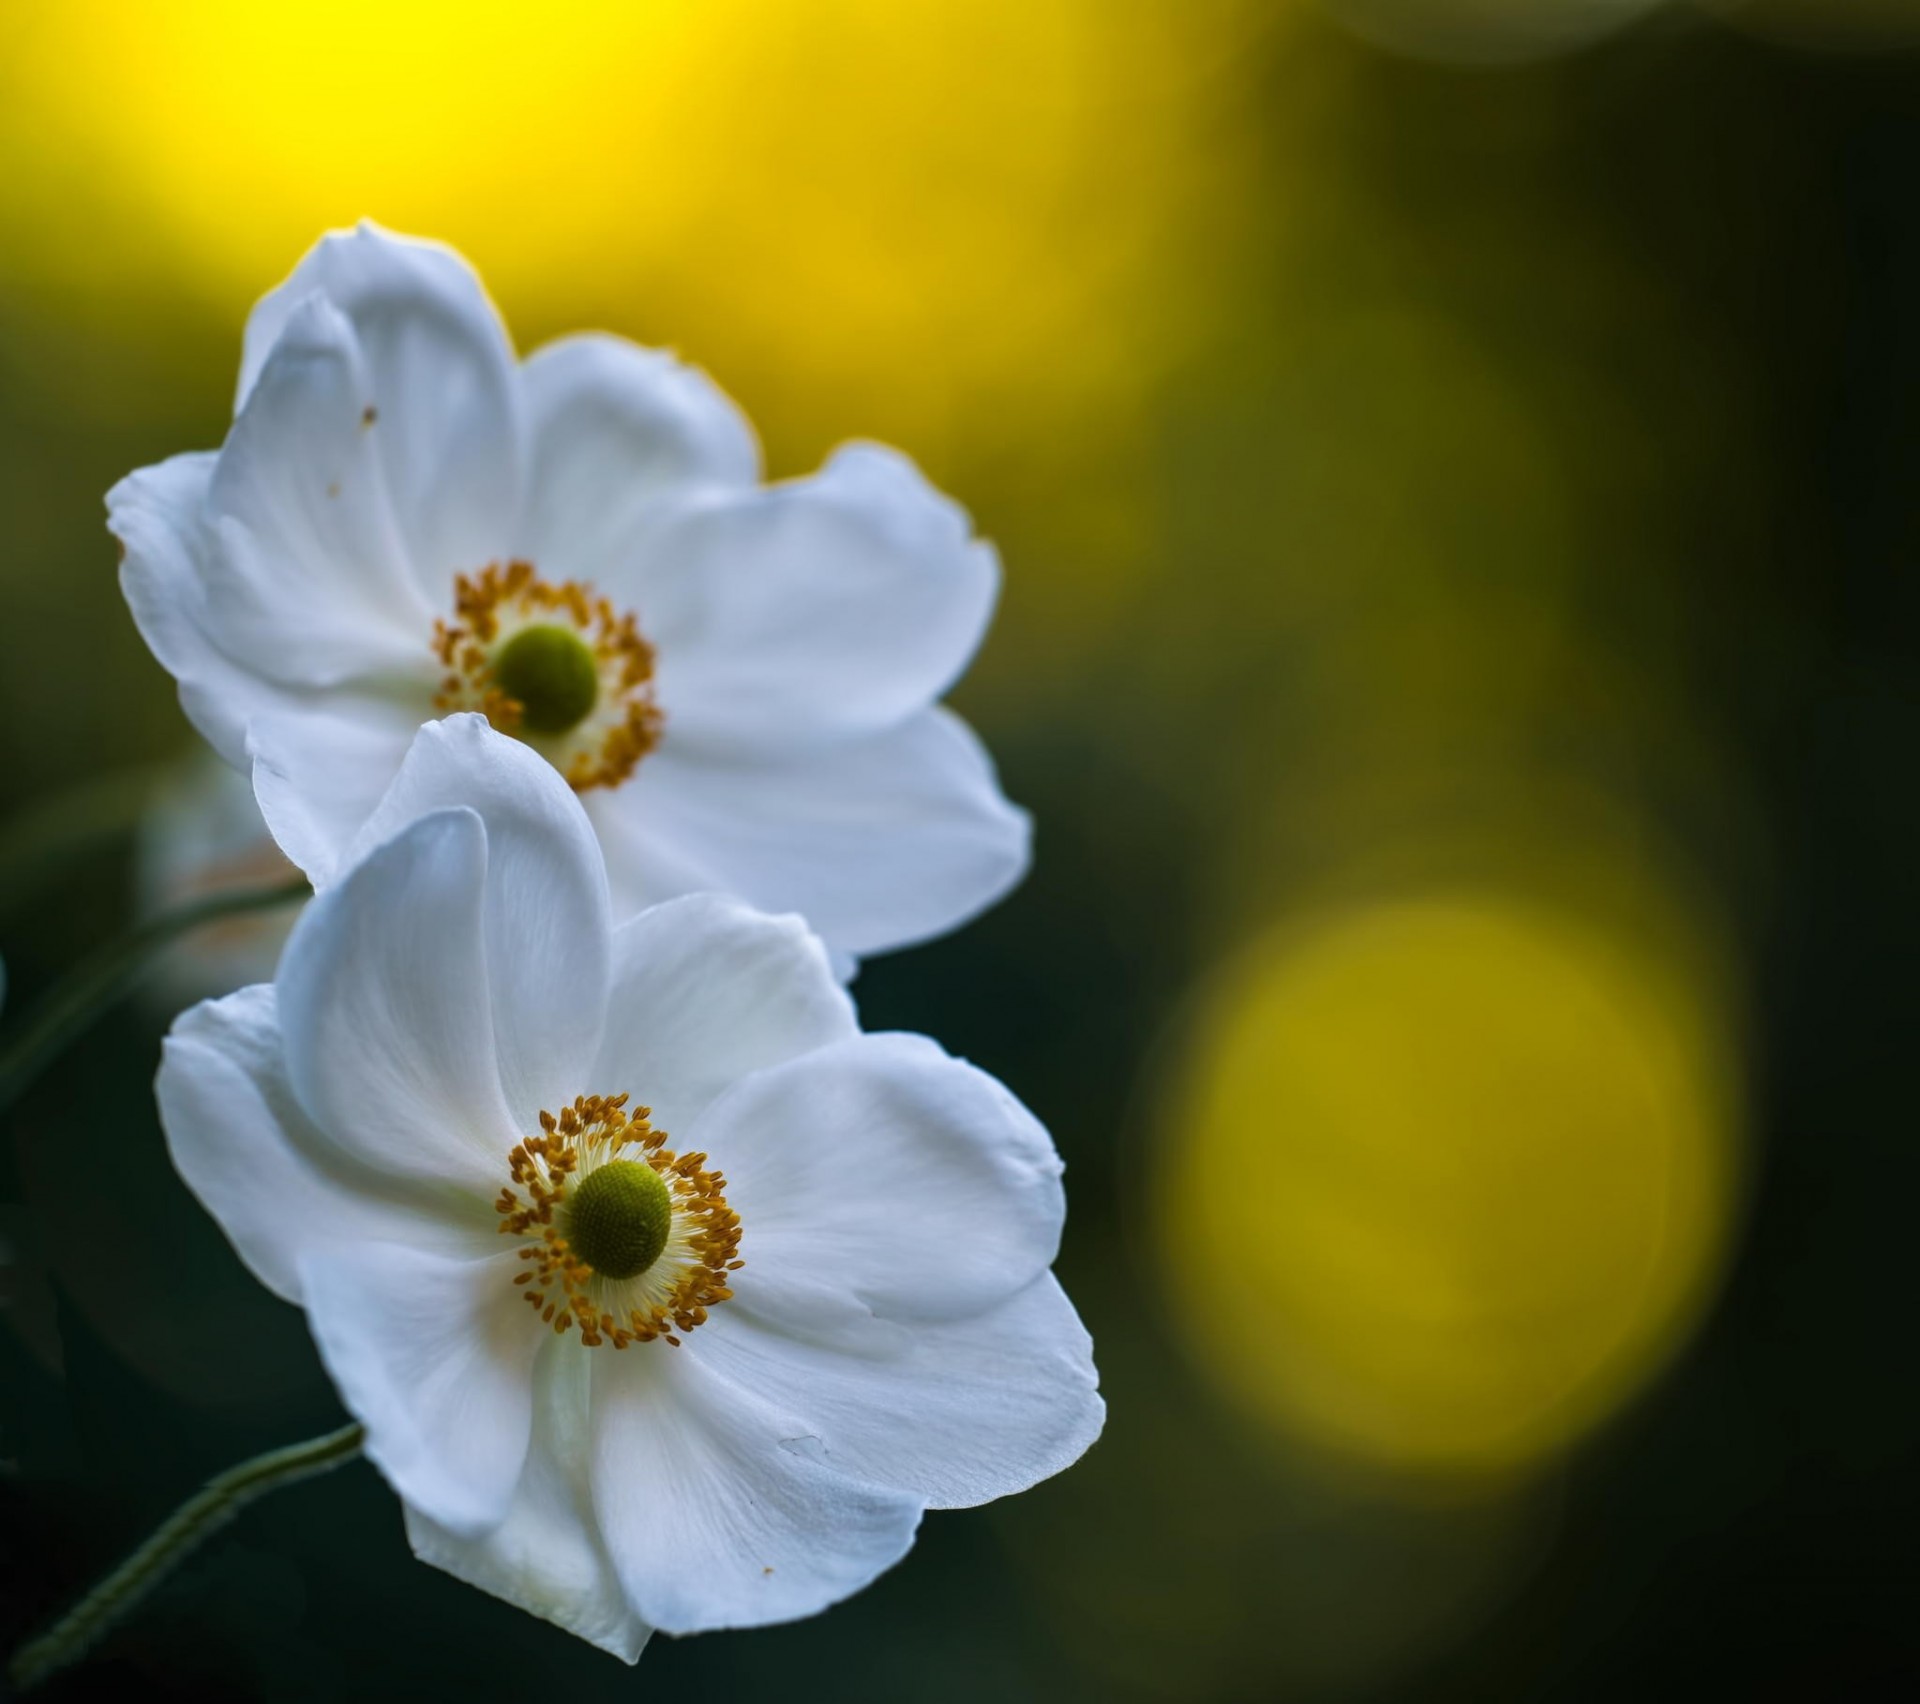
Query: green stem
point(103, 975)
point(189, 1526)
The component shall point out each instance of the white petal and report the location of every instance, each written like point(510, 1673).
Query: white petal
point(891, 1171)
point(320, 765)
point(714, 1507)
point(277, 1186)
point(877, 842)
point(309, 578)
point(614, 429)
point(546, 1556)
point(706, 990)
point(818, 609)
point(547, 916)
point(957, 1413)
point(643, 868)
point(447, 427)
point(434, 1358)
point(385, 1012)
point(158, 516)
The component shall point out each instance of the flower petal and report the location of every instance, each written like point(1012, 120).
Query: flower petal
point(643, 868)
point(957, 1413)
point(547, 917)
point(546, 1556)
point(386, 1017)
point(614, 430)
point(888, 1170)
point(319, 768)
point(714, 1506)
point(878, 842)
point(706, 990)
point(277, 1186)
point(309, 579)
point(432, 1356)
point(158, 516)
point(447, 408)
point(819, 609)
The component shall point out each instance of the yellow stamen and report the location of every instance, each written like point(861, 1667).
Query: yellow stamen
point(597, 738)
point(674, 1291)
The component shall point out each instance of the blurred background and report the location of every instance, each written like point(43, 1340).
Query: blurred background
point(1455, 463)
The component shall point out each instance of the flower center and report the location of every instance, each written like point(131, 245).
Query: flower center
point(623, 1237)
point(550, 673)
point(552, 665)
point(619, 1217)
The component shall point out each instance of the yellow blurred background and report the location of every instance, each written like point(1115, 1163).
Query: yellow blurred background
point(1370, 401)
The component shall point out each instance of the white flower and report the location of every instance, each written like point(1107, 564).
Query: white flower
point(746, 1371)
point(740, 679)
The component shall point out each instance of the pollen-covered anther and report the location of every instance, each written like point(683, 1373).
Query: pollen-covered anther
point(554, 665)
point(623, 1238)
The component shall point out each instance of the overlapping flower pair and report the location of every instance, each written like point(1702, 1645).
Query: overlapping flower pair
point(555, 702)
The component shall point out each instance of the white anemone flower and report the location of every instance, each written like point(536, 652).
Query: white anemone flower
point(741, 680)
point(668, 1298)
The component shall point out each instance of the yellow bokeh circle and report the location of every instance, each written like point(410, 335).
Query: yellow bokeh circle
point(1447, 1179)
point(895, 210)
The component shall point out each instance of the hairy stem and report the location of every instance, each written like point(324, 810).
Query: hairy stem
point(188, 1527)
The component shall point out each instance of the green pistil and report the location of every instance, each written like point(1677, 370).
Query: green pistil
point(550, 673)
point(618, 1218)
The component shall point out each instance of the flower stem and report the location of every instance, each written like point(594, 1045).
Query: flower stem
point(189, 1526)
point(103, 975)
